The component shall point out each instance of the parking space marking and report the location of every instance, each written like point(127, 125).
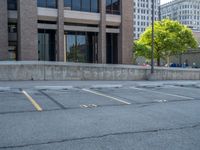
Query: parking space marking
point(174, 95)
point(110, 97)
point(34, 103)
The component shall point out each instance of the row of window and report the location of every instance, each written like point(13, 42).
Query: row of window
point(112, 6)
point(139, 29)
point(143, 11)
point(47, 3)
point(177, 7)
point(82, 5)
point(147, 18)
point(141, 23)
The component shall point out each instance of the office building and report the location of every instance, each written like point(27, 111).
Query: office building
point(186, 12)
point(87, 31)
point(143, 15)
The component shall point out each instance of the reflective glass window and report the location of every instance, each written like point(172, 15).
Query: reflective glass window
point(81, 47)
point(67, 3)
point(94, 5)
point(12, 4)
point(113, 6)
point(86, 5)
point(76, 5)
point(51, 3)
point(108, 6)
point(47, 3)
point(82, 5)
point(71, 46)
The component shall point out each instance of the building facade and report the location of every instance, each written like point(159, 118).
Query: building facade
point(186, 12)
point(143, 15)
point(88, 31)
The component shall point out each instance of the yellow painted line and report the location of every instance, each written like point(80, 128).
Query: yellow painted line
point(107, 96)
point(34, 103)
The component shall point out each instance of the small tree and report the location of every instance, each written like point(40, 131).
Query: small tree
point(170, 38)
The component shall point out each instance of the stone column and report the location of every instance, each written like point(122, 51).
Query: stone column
point(102, 33)
point(60, 31)
point(3, 30)
point(27, 30)
point(126, 32)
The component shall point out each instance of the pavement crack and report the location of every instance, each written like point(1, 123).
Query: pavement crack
point(191, 126)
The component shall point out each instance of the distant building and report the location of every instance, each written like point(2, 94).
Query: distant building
point(143, 15)
point(186, 12)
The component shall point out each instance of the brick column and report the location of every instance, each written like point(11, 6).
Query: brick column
point(60, 31)
point(3, 30)
point(102, 33)
point(27, 30)
point(126, 32)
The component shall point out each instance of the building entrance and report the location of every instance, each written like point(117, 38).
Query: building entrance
point(112, 48)
point(46, 45)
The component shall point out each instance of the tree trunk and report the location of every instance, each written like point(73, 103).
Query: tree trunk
point(158, 61)
point(168, 61)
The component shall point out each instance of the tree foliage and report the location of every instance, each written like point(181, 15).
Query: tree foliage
point(170, 38)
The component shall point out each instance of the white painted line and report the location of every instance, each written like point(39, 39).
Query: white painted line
point(174, 95)
point(107, 86)
point(110, 97)
point(54, 87)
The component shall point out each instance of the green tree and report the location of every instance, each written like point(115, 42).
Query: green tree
point(170, 38)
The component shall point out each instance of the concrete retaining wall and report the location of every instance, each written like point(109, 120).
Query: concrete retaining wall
point(74, 71)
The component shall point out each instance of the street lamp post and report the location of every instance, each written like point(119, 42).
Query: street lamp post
point(152, 52)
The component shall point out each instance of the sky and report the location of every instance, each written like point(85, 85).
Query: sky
point(164, 1)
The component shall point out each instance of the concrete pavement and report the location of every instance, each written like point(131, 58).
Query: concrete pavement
point(100, 115)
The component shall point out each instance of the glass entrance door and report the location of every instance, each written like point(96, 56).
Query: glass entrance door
point(112, 48)
point(81, 47)
point(76, 47)
point(43, 46)
point(82, 51)
point(71, 46)
point(46, 45)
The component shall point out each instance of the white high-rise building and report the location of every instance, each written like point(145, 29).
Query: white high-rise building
point(185, 11)
point(143, 15)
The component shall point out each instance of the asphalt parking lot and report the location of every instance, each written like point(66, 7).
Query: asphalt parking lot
point(100, 115)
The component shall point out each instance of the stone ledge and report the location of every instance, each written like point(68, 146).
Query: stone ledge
point(35, 70)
